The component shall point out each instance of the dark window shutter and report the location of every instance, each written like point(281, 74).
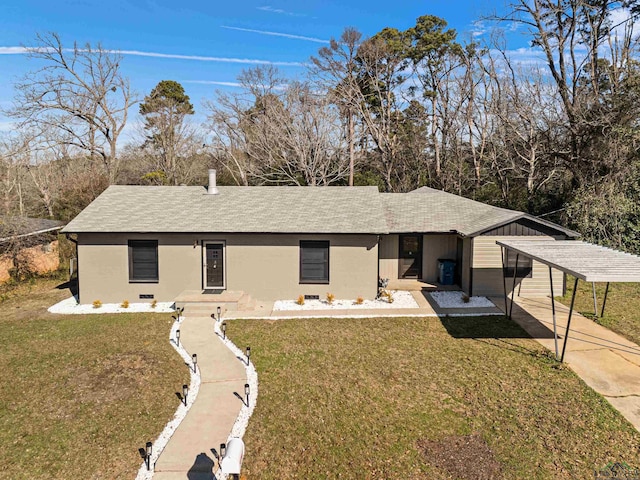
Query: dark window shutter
point(314, 262)
point(143, 260)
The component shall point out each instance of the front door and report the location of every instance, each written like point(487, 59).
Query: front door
point(213, 265)
point(410, 256)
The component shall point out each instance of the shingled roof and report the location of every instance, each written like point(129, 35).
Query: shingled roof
point(16, 227)
point(158, 209)
point(123, 208)
point(429, 210)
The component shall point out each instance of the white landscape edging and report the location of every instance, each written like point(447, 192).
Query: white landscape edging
point(161, 442)
point(454, 299)
point(401, 299)
point(240, 425)
point(69, 306)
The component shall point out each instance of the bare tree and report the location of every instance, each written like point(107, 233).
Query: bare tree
point(335, 68)
point(230, 117)
point(79, 92)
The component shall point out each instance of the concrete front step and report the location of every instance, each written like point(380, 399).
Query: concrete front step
point(197, 303)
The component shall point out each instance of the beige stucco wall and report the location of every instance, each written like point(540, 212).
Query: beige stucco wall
point(487, 271)
point(389, 256)
point(434, 247)
point(264, 266)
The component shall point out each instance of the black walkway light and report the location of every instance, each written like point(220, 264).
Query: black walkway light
point(247, 391)
point(248, 353)
point(178, 337)
point(224, 330)
point(195, 362)
point(219, 312)
point(147, 454)
point(185, 393)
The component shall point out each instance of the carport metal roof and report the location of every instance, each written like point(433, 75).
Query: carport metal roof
point(585, 261)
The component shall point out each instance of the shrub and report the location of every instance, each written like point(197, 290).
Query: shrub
point(154, 304)
point(330, 298)
point(387, 295)
point(125, 304)
point(300, 300)
point(97, 304)
point(359, 301)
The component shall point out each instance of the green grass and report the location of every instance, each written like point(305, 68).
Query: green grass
point(80, 394)
point(622, 311)
point(373, 398)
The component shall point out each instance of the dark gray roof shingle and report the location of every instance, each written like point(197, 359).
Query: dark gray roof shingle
point(434, 211)
point(22, 226)
point(123, 208)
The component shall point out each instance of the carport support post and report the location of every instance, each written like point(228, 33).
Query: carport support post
point(513, 290)
point(595, 299)
point(604, 302)
point(553, 310)
point(566, 333)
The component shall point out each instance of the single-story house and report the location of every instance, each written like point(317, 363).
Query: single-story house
point(143, 242)
point(28, 246)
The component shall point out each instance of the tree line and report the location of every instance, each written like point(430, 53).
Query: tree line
point(556, 136)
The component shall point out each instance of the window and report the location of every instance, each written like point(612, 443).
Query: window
point(314, 262)
point(143, 261)
point(524, 268)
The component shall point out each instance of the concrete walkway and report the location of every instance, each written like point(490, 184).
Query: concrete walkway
point(607, 362)
point(190, 451)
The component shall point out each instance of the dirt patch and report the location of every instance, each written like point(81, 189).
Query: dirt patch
point(111, 379)
point(464, 457)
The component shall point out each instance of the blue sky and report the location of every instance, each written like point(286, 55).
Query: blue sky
point(223, 34)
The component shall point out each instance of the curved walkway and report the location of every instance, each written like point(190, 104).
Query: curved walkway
point(192, 450)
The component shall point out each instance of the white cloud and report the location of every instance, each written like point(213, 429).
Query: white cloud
point(13, 50)
point(277, 34)
point(7, 126)
point(214, 82)
point(621, 19)
point(138, 53)
point(280, 11)
point(228, 84)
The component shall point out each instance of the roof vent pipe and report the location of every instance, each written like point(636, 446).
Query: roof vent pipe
point(212, 189)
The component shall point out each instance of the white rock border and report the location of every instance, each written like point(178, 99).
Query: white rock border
point(240, 425)
point(161, 442)
point(70, 306)
point(454, 299)
point(401, 299)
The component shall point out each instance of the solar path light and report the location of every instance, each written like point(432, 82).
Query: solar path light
point(247, 391)
point(195, 362)
point(178, 337)
point(147, 454)
point(185, 393)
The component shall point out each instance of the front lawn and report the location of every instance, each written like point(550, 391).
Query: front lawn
point(622, 311)
point(421, 398)
point(79, 394)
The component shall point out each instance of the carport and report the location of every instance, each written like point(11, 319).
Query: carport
point(585, 261)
